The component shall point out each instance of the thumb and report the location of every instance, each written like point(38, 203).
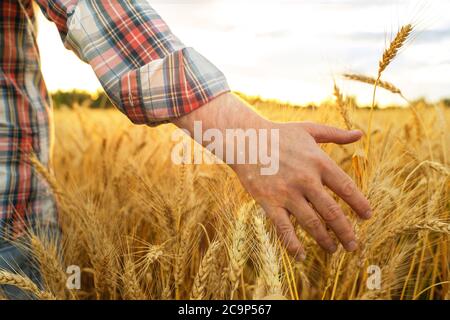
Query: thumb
point(326, 134)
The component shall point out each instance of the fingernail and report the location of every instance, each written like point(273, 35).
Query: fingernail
point(368, 214)
point(351, 246)
point(300, 257)
point(332, 248)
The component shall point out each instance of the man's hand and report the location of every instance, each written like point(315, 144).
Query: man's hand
point(304, 171)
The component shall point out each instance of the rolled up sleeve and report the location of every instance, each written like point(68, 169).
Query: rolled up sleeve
point(147, 72)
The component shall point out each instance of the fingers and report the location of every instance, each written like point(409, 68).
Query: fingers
point(286, 232)
point(311, 223)
point(341, 184)
point(327, 134)
point(333, 216)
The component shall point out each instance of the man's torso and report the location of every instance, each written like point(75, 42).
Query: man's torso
point(25, 120)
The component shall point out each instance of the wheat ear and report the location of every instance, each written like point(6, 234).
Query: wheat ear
point(7, 278)
point(131, 286)
point(388, 56)
point(343, 110)
point(206, 266)
point(391, 53)
point(238, 249)
point(46, 175)
point(433, 225)
point(50, 265)
point(268, 256)
point(369, 80)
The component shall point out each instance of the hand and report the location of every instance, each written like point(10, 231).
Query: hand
point(298, 188)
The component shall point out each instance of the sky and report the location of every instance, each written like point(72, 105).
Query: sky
point(293, 49)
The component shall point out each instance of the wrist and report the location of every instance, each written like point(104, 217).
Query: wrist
point(227, 111)
point(229, 128)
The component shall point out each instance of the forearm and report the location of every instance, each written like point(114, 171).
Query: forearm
point(227, 111)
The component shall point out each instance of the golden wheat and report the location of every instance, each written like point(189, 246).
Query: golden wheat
point(392, 51)
point(200, 286)
point(343, 108)
point(267, 258)
point(372, 81)
point(25, 284)
point(389, 55)
point(408, 190)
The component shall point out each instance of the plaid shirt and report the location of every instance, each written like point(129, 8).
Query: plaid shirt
point(148, 73)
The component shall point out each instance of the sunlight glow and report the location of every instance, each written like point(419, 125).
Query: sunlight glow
point(291, 50)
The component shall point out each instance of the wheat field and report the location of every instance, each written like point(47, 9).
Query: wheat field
point(140, 227)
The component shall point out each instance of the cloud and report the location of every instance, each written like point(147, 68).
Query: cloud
point(425, 36)
point(273, 34)
point(433, 36)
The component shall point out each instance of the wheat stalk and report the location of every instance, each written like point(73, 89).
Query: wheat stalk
point(238, 248)
point(268, 258)
point(343, 110)
point(432, 225)
point(104, 264)
point(185, 243)
point(132, 288)
point(372, 81)
point(48, 177)
point(439, 167)
point(7, 278)
point(199, 289)
point(50, 266)
point(388, 56)
point(391, 53)
point(151, 254)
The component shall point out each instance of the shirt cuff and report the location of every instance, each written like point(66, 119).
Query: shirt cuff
point(171, 87)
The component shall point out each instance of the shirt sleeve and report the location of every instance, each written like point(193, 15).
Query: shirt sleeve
point(147, 72)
